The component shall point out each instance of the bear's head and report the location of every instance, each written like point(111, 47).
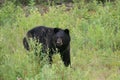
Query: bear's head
point(61, 37)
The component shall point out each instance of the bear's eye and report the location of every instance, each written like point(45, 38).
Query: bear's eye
point(60, 37)
point(57, 37)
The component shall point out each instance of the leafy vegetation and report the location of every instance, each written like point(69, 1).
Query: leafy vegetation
point(95, 41)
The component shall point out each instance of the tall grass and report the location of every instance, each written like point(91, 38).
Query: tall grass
point(95, 43)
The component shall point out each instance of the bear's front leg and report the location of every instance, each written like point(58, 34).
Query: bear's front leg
point(50, 59)
point(65, 56)
point(50, 56)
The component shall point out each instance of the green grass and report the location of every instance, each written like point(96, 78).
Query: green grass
point(95, 42)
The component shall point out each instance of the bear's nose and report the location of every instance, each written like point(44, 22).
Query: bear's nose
point(59, 42)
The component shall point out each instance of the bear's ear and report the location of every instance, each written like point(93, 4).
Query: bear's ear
point(66, 31)
point(56, 30)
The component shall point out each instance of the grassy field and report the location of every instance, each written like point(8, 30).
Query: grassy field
point(95, 42)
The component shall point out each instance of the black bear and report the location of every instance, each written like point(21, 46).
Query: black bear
point(52, 39)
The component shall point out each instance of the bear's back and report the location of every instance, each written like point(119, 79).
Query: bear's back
point(40, 31)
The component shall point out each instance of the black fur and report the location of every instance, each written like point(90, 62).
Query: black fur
point(51, 38)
